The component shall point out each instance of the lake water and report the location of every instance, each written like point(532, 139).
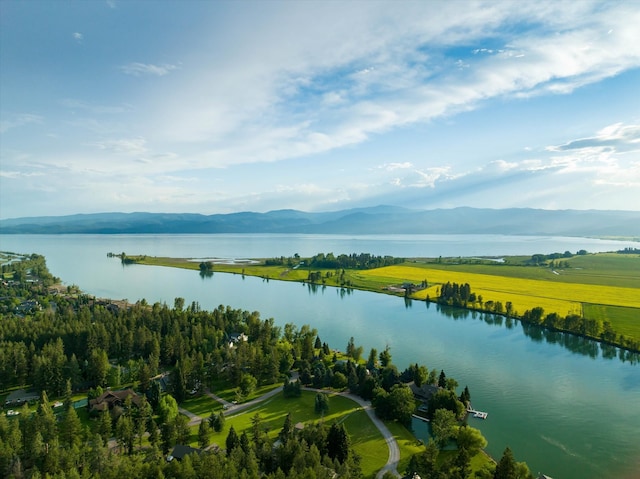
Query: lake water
point(568, 407)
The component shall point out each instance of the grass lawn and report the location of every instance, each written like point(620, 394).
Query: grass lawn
point(201, 405)
point(366, 439)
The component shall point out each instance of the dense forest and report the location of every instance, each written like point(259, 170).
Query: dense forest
point(65, 342)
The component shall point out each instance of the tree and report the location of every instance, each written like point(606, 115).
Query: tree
point(203, 434)
point(248, 384)
point(426, 462)
point(385, 357)
point(71, 428)
point(506, 467)
point(471, 439)
point(233, 441)
point(104, 426)
point(125, 433)
point(216, 421)
point(420, 375)
point(442, 380)
point(401, 404)
point(321, 403)
point(338, 443)
point(167, 408)
point(99, 367)
point(443, 426)
point(181, 426)
point(372, 361)
point(178, 304)
point(339, 381)
point(178, 383)
point(287, 429)
point(445, 399)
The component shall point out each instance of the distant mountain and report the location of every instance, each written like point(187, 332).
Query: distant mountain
point(375, 220)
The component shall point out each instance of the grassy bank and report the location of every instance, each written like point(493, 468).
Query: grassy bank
point(601, 287)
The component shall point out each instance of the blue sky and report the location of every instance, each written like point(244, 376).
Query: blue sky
point(217, 107)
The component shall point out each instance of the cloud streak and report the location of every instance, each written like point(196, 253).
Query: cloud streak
point(137, 69)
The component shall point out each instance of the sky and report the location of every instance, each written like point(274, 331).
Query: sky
point(225, 106)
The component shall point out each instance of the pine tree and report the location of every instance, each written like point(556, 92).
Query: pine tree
point(506, 467)
point(338, 443)
point(233, 441)
point(203, 434)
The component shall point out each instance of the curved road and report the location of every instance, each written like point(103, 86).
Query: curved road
point(392, 444)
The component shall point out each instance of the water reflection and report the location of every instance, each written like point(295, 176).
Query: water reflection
point(575, 344)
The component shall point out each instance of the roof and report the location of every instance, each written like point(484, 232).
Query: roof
point(423, 392)
point(20, 395)
point(109, 399)
point(180, 450)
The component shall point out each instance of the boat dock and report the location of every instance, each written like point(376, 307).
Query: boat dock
point(478, 414)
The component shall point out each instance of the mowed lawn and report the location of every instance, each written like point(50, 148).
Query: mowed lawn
point(366, 438)
point(562, 298)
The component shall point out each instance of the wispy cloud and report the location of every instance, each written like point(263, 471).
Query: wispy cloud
point(76, 104)
point(126, 146)
point(21, 119)
point(141, 69)
point(393, 72)
point(618, 136)
point(78, 37)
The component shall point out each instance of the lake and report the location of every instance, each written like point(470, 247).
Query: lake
point(568, 407)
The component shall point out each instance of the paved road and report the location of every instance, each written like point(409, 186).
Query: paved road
point(392, 444)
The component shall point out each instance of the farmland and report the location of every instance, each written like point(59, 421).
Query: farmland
point(603, 287)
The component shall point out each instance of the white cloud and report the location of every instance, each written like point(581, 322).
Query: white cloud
point(126, 146)
point(141, 69)
point(78, 37)
point(618, 137)
point(385, 72)
point(20, 120)
point(397, 166)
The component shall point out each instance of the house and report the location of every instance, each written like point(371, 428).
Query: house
point(235, 338)
point(423, 392)
point(180, 450)
point(109, 399)
point(20, 396)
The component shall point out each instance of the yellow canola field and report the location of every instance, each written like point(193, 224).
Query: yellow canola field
point(563, 298)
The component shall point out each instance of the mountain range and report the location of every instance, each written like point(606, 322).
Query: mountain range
point(373, 220)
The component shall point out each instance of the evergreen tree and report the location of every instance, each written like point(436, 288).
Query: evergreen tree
point(287, 430)
point(338, 443)
point(103, 427)
point(321, 403)
point(506, 467)
point(442, 380)
point(233, 441)
point(203, 434)
point(71, 429)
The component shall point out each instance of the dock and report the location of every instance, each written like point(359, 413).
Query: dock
point(478, 414)
point(422, 418)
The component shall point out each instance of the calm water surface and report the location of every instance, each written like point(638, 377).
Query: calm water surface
point(566, 406)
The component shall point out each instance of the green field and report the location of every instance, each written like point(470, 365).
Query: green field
point(366, 438)
point(602, 286)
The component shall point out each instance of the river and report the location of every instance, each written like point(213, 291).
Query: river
point(568, 407)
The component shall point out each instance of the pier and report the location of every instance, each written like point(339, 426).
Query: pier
point(478, 414)
point(422, 418)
